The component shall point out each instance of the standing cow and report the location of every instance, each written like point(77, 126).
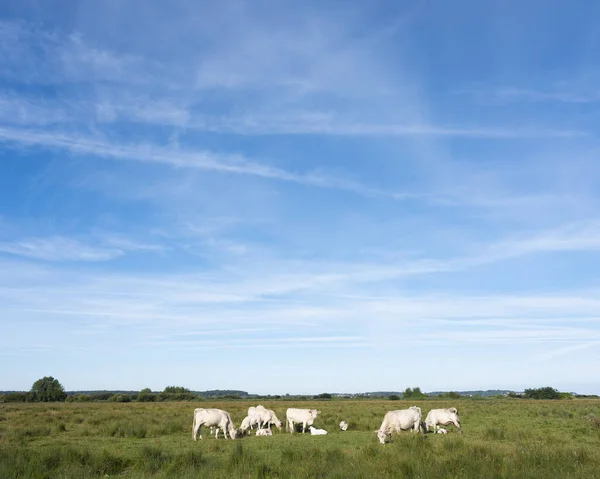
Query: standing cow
point(266, 417)
point(296, 416)
point(399, 420)
point(443, 417)
point(213, 418)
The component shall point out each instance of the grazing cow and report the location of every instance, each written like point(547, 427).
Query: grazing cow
point(257, 412)
point(441, 430)
point(305, 416)
point(213, 417)
point(268, 418)
point(265, 417)
point(317, 432)
point(401, 419)
point(264, 432)
point(248, 422)
point(343, 425)
point(443, 417)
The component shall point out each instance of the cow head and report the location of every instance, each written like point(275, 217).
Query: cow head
point(277, 423)
point(381, 436)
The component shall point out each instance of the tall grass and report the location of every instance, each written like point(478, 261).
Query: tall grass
point(501, 439)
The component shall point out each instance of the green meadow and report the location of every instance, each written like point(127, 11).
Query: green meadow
point(503, 438)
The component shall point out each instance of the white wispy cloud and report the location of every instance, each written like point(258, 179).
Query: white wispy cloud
point(548, 96)
point(61, 248)
point(58, 249)
point(569, 350)
point(235, 164)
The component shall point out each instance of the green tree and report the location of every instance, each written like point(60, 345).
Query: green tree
point(176, 390)
point(323, 396)
point(146, 395)
point(542, 393)
point(413, 393)
point(47, 389)
point(394, 397)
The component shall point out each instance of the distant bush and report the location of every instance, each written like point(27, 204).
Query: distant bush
point(175, 390)
point(120, 398)
point(323, 396)
point(14, 397)
point(79, 398)
point(146, 397)
point(453, 395)
point(541, 393)
point(566, 396)
point(102, 396)
point(414, 393)
point(184, 396)
point(394, 397)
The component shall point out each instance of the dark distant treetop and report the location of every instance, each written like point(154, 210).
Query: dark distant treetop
point(413, 393)
point(323, 396)
point(47, 389)
point(541, 393)
point(176, 389)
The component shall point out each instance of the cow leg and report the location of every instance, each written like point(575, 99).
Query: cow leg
point(303, 427)
point(198, 429)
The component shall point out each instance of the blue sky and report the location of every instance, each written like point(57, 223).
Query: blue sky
point(300, 197)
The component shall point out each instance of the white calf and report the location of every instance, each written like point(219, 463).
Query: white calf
point(317, 432)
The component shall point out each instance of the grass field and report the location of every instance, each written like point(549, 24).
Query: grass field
point(502, 438)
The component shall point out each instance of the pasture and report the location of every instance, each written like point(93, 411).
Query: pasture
point(503, 438)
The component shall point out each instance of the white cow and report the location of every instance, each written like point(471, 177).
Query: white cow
point(441, 430)
point(264, 416)
point(442, 417)
point(213, 417)
point(343, 425)
point(264, 432)
point(317, 432)
point(269, 418)
point(248, 422)
point(401, 419)
point(305, 416)
point(257, 412)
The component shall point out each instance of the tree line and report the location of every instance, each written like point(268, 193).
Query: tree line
point(49, 389)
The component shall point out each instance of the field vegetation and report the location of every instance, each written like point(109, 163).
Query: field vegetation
point(502, 438)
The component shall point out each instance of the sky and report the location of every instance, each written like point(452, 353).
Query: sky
point(300, 197)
